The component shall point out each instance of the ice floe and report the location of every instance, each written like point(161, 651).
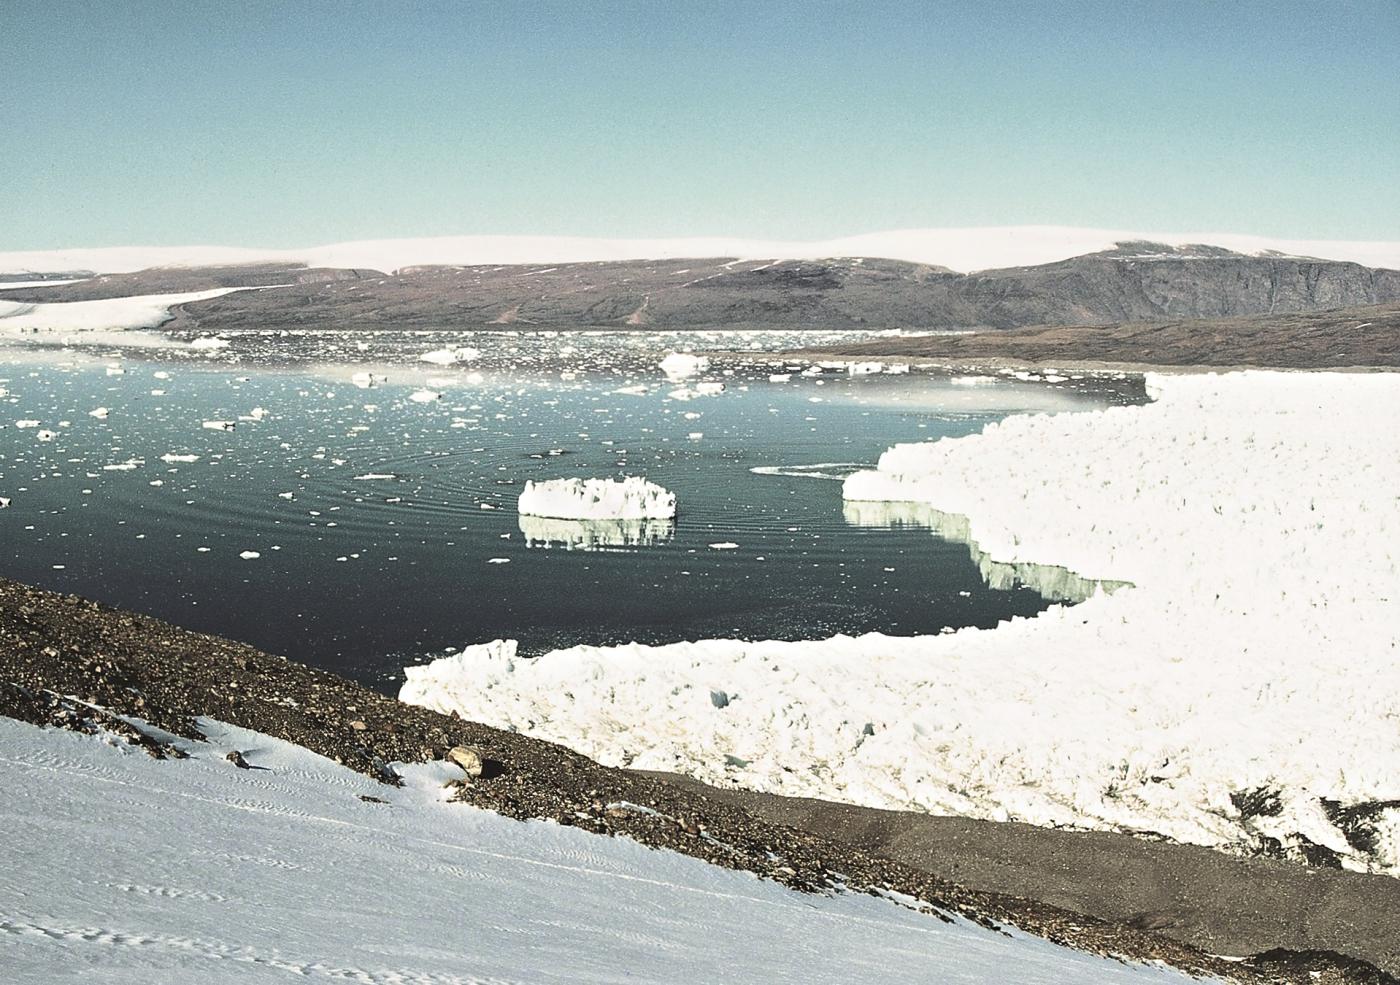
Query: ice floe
point(1252, 662)
point(683, 365)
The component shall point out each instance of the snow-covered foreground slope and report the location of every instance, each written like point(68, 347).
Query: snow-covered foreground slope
point(963, 249)
point(119, 868)
point(1244, 694)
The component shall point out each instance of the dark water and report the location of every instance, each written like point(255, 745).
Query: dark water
point(363, 575)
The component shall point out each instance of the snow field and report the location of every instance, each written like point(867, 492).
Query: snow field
point(117, 868)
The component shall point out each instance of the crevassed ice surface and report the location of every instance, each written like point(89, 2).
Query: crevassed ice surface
point(119, 868)
point(1256, 514)
point(289, 490)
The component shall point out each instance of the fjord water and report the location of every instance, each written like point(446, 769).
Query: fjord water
point(359, 528)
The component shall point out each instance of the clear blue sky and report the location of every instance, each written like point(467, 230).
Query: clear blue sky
point(267, 123)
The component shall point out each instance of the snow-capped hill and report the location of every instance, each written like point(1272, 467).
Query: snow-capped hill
point(961, 249)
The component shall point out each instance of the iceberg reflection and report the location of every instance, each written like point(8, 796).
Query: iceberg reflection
point(594, 535)
point(1054, 583)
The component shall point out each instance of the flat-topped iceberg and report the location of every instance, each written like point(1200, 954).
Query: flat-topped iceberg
point(628, 498)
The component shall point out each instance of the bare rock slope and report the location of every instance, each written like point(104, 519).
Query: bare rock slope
point(1133, 282)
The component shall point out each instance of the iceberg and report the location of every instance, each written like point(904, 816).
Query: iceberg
point(683, 365)
point(628, 498)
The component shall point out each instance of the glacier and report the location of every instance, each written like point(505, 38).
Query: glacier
point(1255, 515)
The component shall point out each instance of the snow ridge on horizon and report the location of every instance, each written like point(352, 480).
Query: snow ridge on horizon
point(961, 249)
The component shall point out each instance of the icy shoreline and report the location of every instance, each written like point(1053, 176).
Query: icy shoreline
point(1241, 696)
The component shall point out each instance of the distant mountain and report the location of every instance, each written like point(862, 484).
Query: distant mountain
point(965, 250)
point(1132, 281)
point(1338, 338)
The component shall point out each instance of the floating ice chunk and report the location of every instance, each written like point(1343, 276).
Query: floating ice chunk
point(864, 369)
point(498, 560)
point(219, 425)
point(424, 396)
point(4, 502)
point(171, 458)
point(450, 357)
point(698, 390)
point(250, 555)
point(366, 380)
point(972, 380)
point(100, 413)
point(370, 476)
point(209, 342)
point(258, 413)
point(682, 365)
point(638, 390)
point(779, 377)
point(27, 424)
point(46, 435)
point(724, 545)
point(629, 498)
point(127, 466)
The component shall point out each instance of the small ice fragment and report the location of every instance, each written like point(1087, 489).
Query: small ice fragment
point(449, 357)
point(219, 425)
point(680, 365)
point(100, 413)
point(249, 555)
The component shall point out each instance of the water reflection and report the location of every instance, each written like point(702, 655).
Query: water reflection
point(594, 535)
point(1052, 582)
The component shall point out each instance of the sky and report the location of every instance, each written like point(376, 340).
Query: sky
point(281, 124)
